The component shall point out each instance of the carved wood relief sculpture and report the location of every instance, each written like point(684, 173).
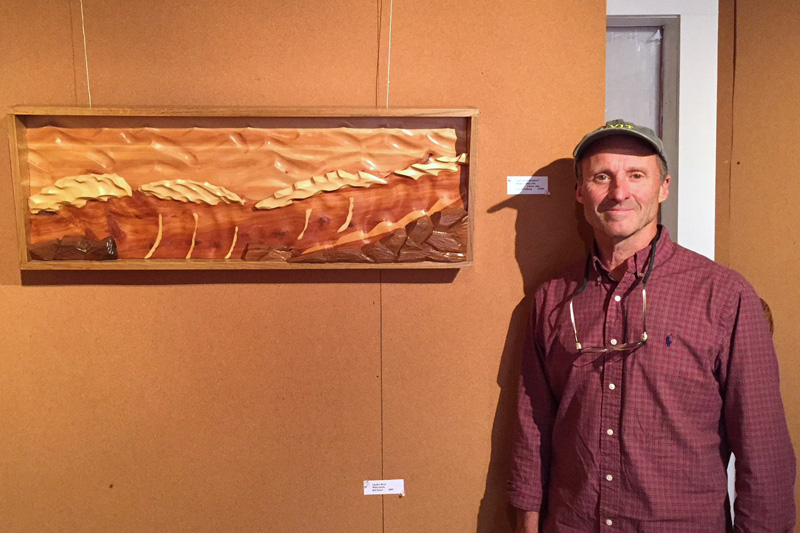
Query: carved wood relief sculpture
point(113, 189)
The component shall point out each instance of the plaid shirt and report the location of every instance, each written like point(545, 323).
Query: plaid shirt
point(639, 440)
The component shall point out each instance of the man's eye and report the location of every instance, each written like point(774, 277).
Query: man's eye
point(601, 177)
point(637, 176)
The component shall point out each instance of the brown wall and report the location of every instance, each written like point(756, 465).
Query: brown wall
point(260, 401)
point(758, 177)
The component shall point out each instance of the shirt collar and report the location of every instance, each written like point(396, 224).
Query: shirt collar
point(637, 265)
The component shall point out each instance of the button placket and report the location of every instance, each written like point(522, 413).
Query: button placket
point(610, 500)
point(615, 325)
point(609, 461)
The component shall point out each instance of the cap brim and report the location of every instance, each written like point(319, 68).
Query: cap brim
point(595, 136)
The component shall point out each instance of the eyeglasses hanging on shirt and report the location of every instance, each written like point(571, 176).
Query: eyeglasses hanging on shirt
point(627, 345)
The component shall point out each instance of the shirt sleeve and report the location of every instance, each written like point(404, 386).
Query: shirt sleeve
point(755, 421)
point(536, 410)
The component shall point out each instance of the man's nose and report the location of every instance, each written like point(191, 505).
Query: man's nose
point(619, 189)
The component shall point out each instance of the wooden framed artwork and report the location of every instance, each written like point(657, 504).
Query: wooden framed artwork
point(243, 188)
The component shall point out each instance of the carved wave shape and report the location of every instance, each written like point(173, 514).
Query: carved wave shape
point(191, 192)
point(254, 162)
point(385, 227)
point(331, 181)
point(77, 191)
point(432, 167)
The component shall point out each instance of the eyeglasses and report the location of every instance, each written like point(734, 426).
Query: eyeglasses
point(628, 345)
point(616, 347)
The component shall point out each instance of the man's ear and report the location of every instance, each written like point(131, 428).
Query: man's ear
point(663, 191)
point(579, 193)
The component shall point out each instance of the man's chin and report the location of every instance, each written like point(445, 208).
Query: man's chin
point(615, 229)
point(619, 231)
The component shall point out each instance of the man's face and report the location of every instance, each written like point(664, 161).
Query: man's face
point(621, 188)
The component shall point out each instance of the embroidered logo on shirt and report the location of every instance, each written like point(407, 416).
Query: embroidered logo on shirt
point(668, 341)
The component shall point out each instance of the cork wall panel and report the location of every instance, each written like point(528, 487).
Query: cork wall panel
point(232, 53)
point(725, 78)
point(181, 410)
point(450, 365)
point(187, 401)
point(24, 51)
point(764, 180)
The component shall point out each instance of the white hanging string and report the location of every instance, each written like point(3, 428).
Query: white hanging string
point(389, 54)
point(86, 56)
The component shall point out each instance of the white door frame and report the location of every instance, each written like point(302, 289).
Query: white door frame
point(697, 111)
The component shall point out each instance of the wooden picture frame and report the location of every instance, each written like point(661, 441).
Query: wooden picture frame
point(243, 188)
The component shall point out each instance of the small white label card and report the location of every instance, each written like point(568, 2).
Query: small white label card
point(385, 486)
point(527, 185)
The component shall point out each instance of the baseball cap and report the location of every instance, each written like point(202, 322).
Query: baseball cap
point(620, 127)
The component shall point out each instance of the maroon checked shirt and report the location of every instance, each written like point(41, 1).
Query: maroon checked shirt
point(639, 440)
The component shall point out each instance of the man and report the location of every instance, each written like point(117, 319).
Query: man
point(643, 369)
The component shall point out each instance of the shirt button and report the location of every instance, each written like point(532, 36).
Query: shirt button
point(609, 522)
point(613, 342)
point(610, 431)
point(617, 298)
point(612, 386)
point(609, 478)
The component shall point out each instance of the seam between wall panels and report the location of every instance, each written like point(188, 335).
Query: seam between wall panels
point(731, 164)
point(384, 60)
point(380, 334)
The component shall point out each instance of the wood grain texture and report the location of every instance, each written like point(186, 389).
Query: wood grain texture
point(21, 186)
point(243, 111)
point(62, 154)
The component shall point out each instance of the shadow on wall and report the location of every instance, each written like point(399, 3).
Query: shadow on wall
point(551, 233)
point(198, 277)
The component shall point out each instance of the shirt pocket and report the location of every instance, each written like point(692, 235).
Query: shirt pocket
point(671, 394)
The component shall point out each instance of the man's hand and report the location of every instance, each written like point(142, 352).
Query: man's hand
point(527, 521)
